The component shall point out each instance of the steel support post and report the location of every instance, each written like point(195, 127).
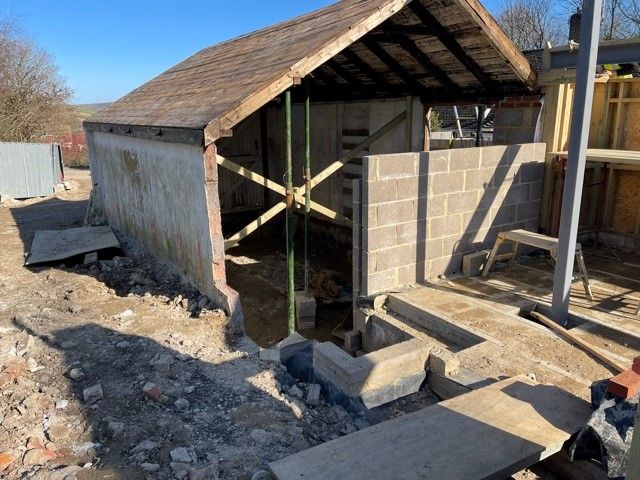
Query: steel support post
point(307, 182)
point(291, 307)
point(633, 468)
point(574, 179)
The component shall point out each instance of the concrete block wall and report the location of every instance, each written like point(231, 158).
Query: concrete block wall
point(516, 119)
point(418, 214)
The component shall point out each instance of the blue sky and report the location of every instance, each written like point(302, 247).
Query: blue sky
point(106, 49)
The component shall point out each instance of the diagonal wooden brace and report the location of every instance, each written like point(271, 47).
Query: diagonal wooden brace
point(299, 193)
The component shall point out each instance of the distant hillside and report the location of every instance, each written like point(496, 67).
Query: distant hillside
point(90, 108)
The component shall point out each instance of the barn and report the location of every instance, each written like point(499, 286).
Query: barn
point(226, 131)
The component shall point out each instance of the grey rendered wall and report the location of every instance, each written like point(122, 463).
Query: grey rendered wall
point(165, 196)
point(420, 213)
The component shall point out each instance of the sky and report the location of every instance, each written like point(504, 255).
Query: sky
point(106, 49)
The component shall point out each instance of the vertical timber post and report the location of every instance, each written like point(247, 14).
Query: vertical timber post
point(291, 307)
point(408, 126)
point(264, 151)
point(307, 182)
point(576, 161)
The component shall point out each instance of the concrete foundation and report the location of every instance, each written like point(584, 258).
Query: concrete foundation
point(375, 378)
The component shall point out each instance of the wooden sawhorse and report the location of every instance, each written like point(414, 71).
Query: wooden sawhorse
point(539, 241)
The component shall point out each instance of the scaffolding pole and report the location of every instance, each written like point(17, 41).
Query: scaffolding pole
point(291, 307)
point(307, 182)
point(576, 160)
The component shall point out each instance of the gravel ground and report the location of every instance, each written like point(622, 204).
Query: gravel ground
point(118, 370)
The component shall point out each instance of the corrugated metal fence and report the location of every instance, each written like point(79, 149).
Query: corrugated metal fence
point(30, 169)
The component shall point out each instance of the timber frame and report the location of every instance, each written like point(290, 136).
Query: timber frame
point(300, 192)
point(349, 51)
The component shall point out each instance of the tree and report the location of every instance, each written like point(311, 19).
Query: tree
point(620, 18)
point(531, 24)
point(33, 95)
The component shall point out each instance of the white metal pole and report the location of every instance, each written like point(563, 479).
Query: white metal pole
point(574, 178)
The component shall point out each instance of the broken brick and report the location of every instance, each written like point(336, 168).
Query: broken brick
point(625, 385)
point(13, 369)
point(636, 365)
point(5, 460)
point(152, 391)
point(39, 456)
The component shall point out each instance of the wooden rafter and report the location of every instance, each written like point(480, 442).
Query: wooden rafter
point(342, 72)
point(324, 77)
point(443, 35)
point(423, 59)
point(396, 67)
point(365, 68)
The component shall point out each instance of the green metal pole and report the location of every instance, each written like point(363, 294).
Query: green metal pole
point(307, 182)
point(291, 306)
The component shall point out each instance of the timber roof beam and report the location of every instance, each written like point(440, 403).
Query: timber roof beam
point(443, 35)
point(393, 65)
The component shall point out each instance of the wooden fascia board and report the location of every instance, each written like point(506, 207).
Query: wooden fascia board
point(187, 136)
point(503, 44)
point(216, 128)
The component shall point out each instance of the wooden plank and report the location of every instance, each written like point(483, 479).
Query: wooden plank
point(603, 155)
point(505, 46)
point(489, 433)
point(408, 126)
point(534, 239)
point(610, 194)
point(338, 164)
point(451, 43)
point(271, 185)
point(251, 175)
point(253, 226)
point(573, 338)
point(234, 186)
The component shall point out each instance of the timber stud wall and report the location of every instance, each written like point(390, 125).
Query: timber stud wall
point(419, 213)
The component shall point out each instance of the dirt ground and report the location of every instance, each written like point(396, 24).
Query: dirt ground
point(117, 370)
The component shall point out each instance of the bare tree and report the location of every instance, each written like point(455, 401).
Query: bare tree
point(531, 24)
point(631, 12)
point(620, 18)
point(33, 95)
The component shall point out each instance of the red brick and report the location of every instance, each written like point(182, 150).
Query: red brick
point(625, 385)
point(152, 391)
point(636, 365)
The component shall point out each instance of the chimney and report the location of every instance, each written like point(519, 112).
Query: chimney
point(574, 26)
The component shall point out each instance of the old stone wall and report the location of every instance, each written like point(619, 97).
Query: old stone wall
point(418, 214)
point(165, 196)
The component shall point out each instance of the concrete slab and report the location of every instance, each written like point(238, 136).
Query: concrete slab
point(492, 432)
point(56, 245)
